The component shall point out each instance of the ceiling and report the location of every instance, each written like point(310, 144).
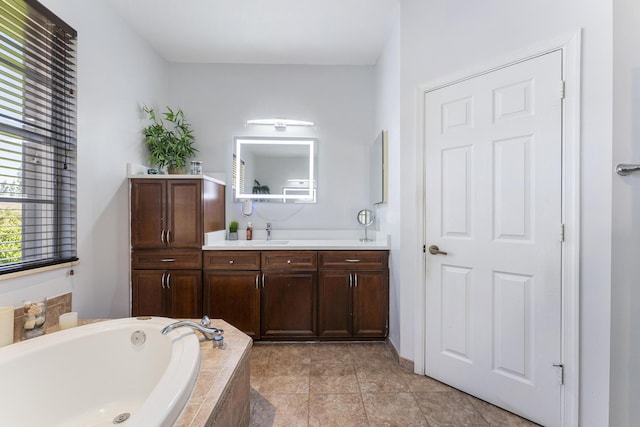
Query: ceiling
point(318, 32)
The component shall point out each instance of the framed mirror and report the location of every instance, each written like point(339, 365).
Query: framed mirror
point(279, 170)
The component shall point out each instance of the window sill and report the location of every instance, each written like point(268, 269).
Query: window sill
point(38, 270)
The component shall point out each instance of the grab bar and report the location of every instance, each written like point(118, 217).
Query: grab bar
point(626, 169)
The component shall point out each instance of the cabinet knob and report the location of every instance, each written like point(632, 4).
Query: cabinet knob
point(230, 261)
point(288, 261)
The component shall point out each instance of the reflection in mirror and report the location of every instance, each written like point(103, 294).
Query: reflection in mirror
point(378, 181)
point(275, 169)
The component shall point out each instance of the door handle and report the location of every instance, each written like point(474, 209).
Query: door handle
point(435, 250)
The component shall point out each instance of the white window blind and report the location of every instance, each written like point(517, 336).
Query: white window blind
point(37, 137)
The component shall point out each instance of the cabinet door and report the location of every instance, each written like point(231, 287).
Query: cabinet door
point(370, 303)
point(334, 304)
point(148, 203)
point(235, 297)
point(184, 226)
point(147, 293)
point(288, 304)
point(184, 288)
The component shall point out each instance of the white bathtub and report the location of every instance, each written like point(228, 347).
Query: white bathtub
point(92, 374)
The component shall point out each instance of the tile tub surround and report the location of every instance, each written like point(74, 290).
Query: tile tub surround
point(221, 393)
point(356, 384)
point(55, 307)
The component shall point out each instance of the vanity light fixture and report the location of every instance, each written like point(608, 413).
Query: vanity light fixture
point(279, 124)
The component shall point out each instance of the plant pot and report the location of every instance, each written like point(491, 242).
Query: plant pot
point(233, 235)
point(176, 171)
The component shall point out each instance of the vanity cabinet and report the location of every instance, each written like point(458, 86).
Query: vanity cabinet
point(232, 288)
point(166, 283)
point(353, 294)
point(288, 294)
point(167, 293)
point(169, 217)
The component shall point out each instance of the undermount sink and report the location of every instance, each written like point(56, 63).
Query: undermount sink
point(275, 242)
point(263, 242)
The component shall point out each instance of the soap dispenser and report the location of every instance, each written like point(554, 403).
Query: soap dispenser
point(249, 231)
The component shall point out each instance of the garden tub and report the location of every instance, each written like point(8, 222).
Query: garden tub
point(115, 372)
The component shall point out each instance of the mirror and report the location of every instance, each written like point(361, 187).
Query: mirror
point(365, 218)
point(275, 169)
point(378, 181)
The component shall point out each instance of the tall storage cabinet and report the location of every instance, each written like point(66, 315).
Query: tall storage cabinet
point(169, 217)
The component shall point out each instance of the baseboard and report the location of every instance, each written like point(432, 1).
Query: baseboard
point(404, 363)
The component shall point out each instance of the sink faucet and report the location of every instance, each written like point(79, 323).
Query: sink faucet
point(268, 231)
point(214, 334)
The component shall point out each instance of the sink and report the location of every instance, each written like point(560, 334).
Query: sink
point(265, 242)
point(276, 242)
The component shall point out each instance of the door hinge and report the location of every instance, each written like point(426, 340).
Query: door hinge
point(386, 332)
point(562, 232)
point(562, 89)
point(424, 249)
point(561, 373)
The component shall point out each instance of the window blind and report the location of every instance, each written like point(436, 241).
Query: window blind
point(37, 137)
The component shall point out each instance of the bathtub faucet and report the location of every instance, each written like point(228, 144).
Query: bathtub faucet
point(214, 334)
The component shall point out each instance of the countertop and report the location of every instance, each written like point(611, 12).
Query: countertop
point(297, 244)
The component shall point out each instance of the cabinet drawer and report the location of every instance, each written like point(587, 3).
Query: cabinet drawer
point(353, 260)
point(289, 260)
point(166, 259)
point(231, 260)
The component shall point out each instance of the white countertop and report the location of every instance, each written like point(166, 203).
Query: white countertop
point(297, 244)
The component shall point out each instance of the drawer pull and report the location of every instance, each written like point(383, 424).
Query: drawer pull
point(352, 260)
point(168, 259)
point(230, 261)
point(288, 261)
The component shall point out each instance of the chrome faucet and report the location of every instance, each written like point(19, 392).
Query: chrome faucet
point(268, 231)
point(214, 334)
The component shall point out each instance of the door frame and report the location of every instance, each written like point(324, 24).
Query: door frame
point(570, 46)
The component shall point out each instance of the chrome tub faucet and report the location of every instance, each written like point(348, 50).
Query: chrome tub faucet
point(268, 231)
point(214, 334)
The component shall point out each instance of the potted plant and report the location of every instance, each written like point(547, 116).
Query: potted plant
point(170, 141)
point(260, 189)
point(233, 230)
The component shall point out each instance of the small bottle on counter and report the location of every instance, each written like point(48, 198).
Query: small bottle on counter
point(249, 231)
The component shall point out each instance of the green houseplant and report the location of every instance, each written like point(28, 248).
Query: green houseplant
point(169, 140)
point(233, 230)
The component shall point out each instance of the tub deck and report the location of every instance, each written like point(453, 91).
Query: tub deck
point(221, 394)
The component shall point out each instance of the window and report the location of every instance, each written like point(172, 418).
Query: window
point(37, 137)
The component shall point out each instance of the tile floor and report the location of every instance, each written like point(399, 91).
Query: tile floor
point(355, 384)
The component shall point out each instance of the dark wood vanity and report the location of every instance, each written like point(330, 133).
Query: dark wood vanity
point(301, 294)
point(270, 294)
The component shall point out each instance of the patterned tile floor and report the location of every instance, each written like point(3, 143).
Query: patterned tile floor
point(356, 384)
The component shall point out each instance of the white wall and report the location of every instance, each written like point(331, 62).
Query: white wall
point(117, 72)
point(625, 293)
point(442, 38)
point(218, 99)
point(387, 102)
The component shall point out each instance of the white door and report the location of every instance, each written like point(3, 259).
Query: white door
point(493, 147)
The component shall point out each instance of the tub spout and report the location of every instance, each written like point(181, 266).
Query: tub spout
point(214, 334)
